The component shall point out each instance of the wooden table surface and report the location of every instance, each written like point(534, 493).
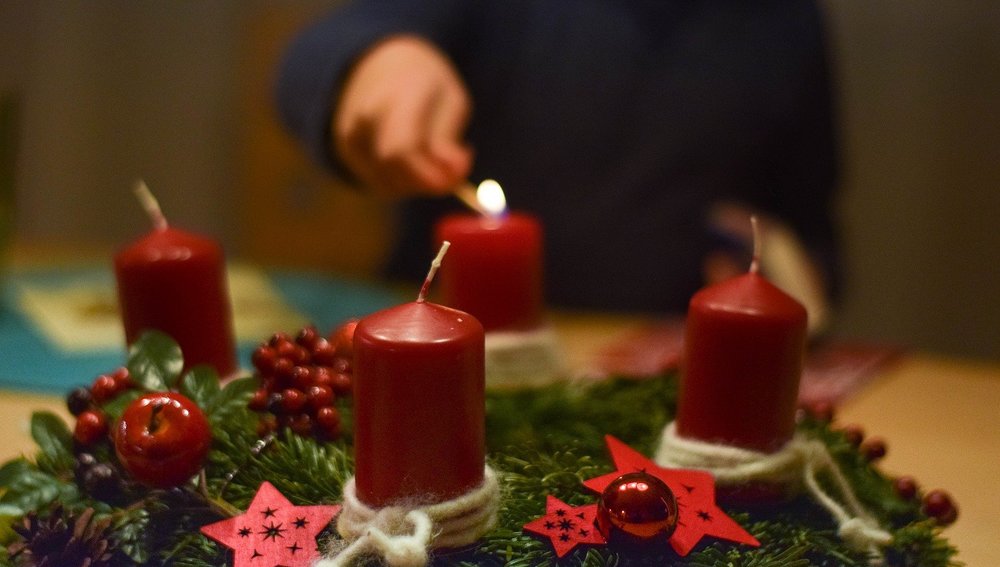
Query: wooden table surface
point(939, 417)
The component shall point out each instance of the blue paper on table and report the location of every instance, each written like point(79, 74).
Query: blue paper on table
point(33, 357)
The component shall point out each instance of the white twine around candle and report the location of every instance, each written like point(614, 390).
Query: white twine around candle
point(403, 535)
point(150, 205)
point(801, 460)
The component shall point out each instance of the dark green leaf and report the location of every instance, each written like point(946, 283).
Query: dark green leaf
point(13, 470)
point(201, 384)
point(155, 361)
point(28, 488)
point(53, 438)
point(116, 407)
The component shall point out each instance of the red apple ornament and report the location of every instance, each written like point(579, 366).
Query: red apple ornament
point(162, 439)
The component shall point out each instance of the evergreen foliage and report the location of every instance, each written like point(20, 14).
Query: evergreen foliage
point(542, 441)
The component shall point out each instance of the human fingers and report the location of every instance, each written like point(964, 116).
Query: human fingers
point(353, 141)
point(446, 146)
point(402, 142)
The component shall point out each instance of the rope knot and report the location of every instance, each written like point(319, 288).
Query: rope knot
point(861, 534)
point(797, 463)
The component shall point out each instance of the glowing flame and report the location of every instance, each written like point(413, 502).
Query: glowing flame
point(491, 198)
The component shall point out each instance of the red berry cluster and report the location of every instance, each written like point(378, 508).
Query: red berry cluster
point(301, 379)
point(937, 504)
point(85, 403)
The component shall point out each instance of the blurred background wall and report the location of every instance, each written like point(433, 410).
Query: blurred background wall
point(178, 93)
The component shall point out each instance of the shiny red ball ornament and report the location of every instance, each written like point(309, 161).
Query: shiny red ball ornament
point(637, 508)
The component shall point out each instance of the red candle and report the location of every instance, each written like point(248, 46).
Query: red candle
point(175, 282)
point(744, 345)
point(494, 268)
point(419, 404)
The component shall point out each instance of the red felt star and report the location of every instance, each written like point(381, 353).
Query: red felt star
point(567, 526)
point(698, 515)
point(272, 531)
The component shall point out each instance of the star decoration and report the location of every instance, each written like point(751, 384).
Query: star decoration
point(698, 514)
point(272, 531)
point(566, 526)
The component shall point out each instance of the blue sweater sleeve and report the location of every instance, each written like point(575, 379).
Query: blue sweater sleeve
point(315, 65)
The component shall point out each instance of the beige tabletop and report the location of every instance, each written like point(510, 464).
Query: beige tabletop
point(938, 416)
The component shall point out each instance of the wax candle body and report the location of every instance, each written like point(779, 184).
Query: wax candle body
point(742, 362)
point(494, 269)
point(419, 404)
point(175, 282)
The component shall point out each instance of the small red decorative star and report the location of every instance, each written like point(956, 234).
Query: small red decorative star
point(272, 531)
point(698, 514)
point(567, 526)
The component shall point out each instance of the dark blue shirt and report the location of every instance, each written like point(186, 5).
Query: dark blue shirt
point(619, 123)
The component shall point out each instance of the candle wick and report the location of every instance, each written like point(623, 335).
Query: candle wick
point(150, 205)
point(435, 264)
point(755, 260)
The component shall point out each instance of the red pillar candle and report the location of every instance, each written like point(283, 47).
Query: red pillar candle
point(494, 268)
point(744, 345)
point(175, 282)
point(419, 404)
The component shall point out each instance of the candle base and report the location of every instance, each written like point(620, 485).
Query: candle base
point(754, 478)
point(402, 535)
point(521, 359)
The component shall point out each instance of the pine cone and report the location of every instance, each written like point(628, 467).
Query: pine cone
point(62, 539)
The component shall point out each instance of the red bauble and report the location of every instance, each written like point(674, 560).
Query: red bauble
point(637, 507)
point(162, 439)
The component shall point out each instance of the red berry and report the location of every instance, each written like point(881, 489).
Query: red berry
point(322, 376)
point(162, 439)
point(906, 487)
point(302, 377)
point(319, 397)
point(283, 370)
point(821, 411)
point(873, 448)
point(91, 427)
point(301, 424)
point(342, 364)
point(263, 359)
point(278, 338)
point(104, 388)
point(292, 400)
point(328, 421)
point(293, 352)
point(341, 384)
point(258, 402)
point(938, 505)
point(307, 336)
point(854, 434)
point(122, 378)
point(323, 352)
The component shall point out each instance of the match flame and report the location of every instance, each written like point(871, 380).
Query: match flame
point(491, 198)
